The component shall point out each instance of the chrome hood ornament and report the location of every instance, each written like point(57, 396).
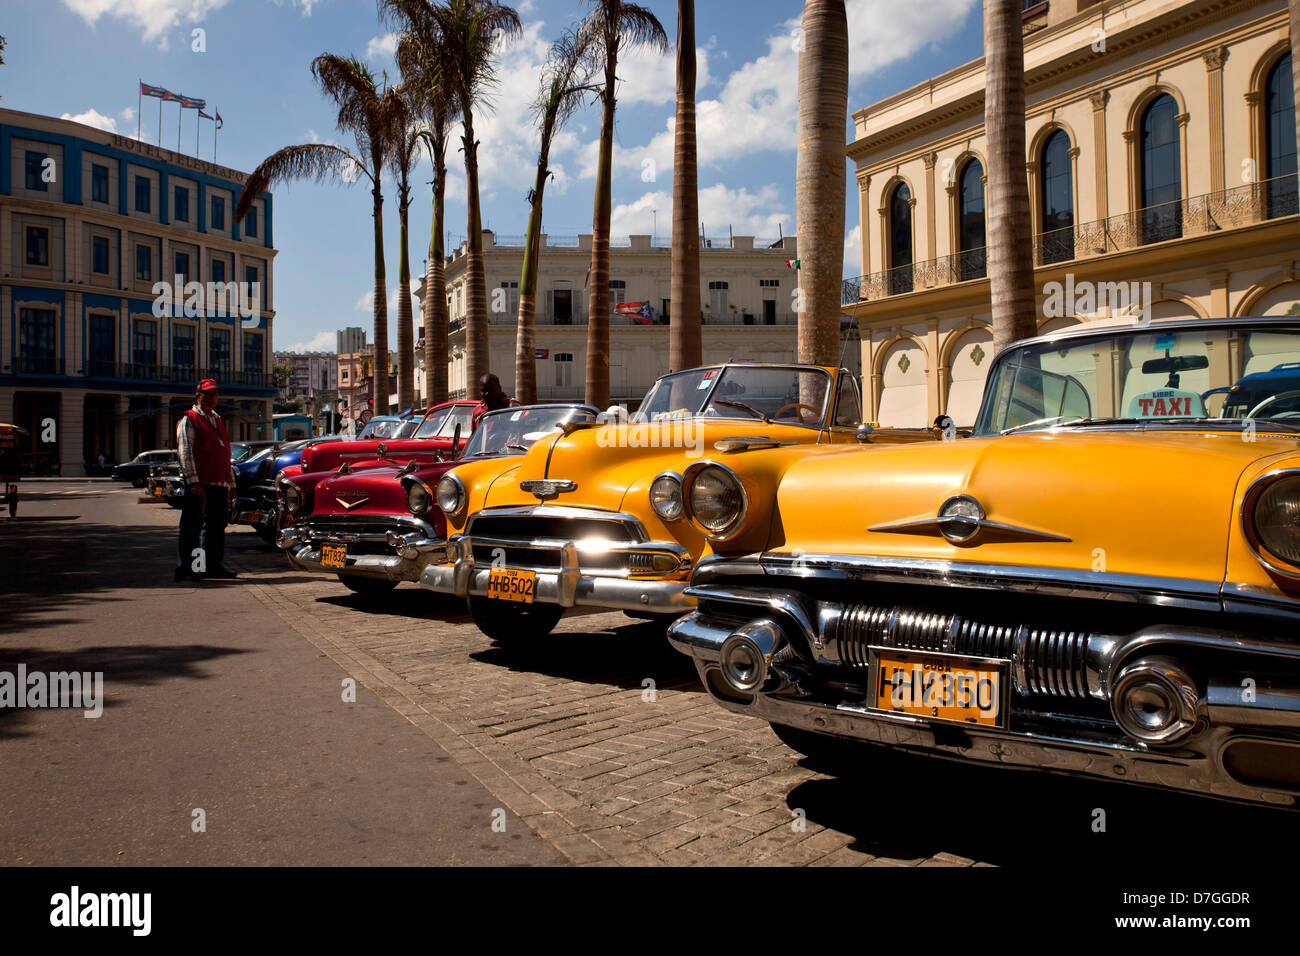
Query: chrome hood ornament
point(544, 489)
point(349, 505)
point(961, 519)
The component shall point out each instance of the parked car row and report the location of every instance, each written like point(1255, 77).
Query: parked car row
point(1101, 578)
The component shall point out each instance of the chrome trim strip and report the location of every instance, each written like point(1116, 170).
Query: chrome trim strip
point(631, 523)
point(935, 525)
point(1066, 582)
point(1251, 599)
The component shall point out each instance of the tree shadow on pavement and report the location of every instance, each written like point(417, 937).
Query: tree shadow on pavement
point(139, 665)
point(909, 807)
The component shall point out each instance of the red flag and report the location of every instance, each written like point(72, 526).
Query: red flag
point(158, 91)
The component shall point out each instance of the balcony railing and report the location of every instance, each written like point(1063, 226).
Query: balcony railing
point(181, 376)
point(740, 318)
point(1196, 216)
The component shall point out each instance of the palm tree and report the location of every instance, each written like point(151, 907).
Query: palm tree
point(565, 84)
point(684, 347)
point(405, 154)
point(613, 24)
point(371, 115)
point(1010, 234)
point(420, 53)
point(467, 34)
point(821, 175)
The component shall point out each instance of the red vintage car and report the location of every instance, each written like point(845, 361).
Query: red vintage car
point(377, 524)
point(433, 438)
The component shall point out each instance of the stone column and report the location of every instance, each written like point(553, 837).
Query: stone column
point(1214, 67)
point(1099, 149)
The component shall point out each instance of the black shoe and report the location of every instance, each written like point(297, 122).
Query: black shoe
point(220, 573)
point(185, 574)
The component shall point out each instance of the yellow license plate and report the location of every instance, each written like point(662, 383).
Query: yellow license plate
point(158, 491)
point(334, 556)
point(939, 686)
point(512, 584)
point(253, 517)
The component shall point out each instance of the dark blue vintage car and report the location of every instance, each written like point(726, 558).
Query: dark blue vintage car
point(255, 496)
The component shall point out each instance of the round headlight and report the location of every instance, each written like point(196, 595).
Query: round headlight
point(666, 497)
point(292, 498)
point(1276, 519)
point(717, 500)
point(417, 497)
point(451, 495)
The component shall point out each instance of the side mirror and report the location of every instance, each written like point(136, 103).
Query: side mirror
point(865, 434)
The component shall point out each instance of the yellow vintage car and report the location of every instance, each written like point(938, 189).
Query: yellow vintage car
point(1102, 580)
point(593, 516)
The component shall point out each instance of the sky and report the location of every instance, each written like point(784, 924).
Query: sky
point(81, 59)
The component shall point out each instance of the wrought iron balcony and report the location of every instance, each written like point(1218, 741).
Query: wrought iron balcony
point(1233, 208)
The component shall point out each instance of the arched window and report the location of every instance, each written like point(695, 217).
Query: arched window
point(1279, 139)
point(1162, 171)
point(900, 240)
point(1057, 188)
point(971, 241)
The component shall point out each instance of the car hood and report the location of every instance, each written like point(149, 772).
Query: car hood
point(1127, 502)
point(609, 462)
point(374, 491)
point(329, 456)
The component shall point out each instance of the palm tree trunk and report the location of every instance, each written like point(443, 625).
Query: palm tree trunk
point(598, 290)
point(434, 307)
point(684, 346)
point(476, 315)
point(405, 330)
point(525, 339)
point(380, 387)
point(820, 176)
point(1010, 233)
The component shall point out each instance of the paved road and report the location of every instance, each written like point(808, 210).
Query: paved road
point(598, 743)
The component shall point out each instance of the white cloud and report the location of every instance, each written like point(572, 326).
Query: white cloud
point(320, 342)
point(759, 214)
point(650, 77)
point(92, 117)
point(853, 251)
point(384, 46)
point(757, 108)
point(153, 17)
point(127, 114)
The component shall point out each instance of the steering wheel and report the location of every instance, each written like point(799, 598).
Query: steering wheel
point(813, 413)
point(1270, 400)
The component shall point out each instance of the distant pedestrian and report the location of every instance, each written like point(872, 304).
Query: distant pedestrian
point(204, 450)
point(493, 396)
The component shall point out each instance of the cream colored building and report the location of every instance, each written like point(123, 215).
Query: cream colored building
point(1160, 149)
point(746, 295)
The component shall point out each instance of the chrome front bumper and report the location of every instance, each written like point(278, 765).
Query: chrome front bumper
point(1199, 765)
point(568, 586)
point(412, 552)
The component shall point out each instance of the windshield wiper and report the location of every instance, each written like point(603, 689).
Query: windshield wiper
point(748, 408)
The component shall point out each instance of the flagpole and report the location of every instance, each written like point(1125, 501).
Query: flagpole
point(180, 110)
point(160, 102)
point(197, 120)
point(215, 127)
point(139, 86)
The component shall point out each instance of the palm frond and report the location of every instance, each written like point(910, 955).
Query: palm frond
point(321, 162)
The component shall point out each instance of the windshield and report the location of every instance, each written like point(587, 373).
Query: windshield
point(779, 393)
point(1147, 375)
point(512, 431)
point(259, 454)
point(382, 428)
point(238, 452)
point(442, 424)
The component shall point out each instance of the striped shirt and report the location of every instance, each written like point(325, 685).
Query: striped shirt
point(185, 448)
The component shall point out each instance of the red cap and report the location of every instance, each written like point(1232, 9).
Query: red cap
point(208, 385)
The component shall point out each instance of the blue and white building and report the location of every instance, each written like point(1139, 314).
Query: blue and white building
point(95, 357)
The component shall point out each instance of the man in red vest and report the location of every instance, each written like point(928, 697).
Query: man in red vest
point(204, 450)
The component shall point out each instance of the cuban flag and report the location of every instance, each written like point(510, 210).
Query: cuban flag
point(158, 91)
point(636, 311)
point(189, 103)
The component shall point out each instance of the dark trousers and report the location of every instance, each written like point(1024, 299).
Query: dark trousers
point(207, 515)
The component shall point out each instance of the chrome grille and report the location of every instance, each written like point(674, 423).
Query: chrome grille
point(541, 527)
point(1049, 663)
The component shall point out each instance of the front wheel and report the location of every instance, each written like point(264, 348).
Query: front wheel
point(367, 587)
point(267, 533)
point(509, 623)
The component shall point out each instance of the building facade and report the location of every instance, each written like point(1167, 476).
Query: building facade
point(1161, 151)
point(351, 339)
point(747, 294)
point(313, 380)
point(96, 357)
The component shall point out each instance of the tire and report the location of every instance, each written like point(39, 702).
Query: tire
point(137, 482)
point(508, 623)
point(832, 755)
point(268, 534)
point(367, 587)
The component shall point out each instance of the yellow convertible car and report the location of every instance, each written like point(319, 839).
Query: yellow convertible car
point(1103, 580)
point(594, 514)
